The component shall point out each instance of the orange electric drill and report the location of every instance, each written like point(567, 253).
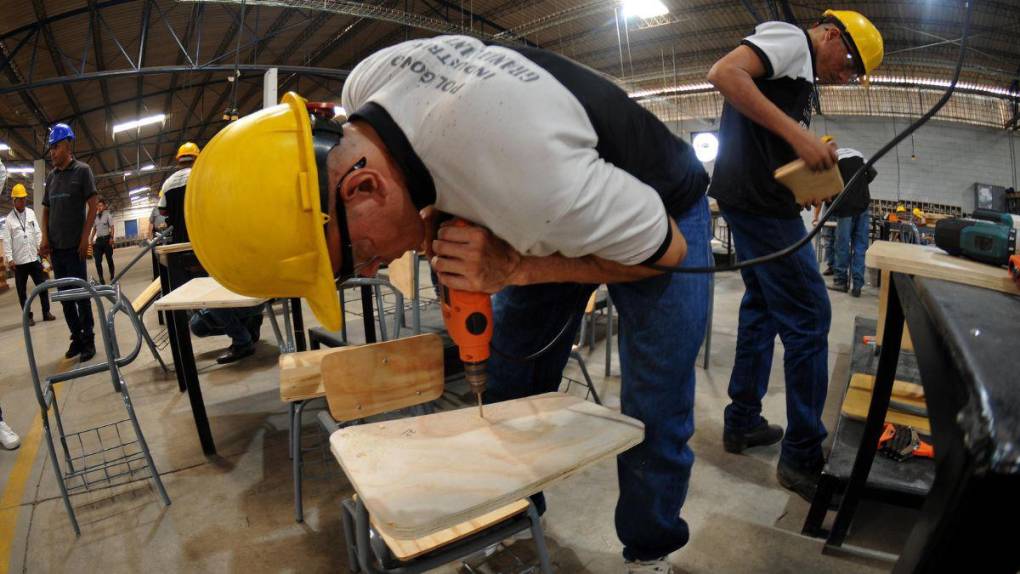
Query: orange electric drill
point(468, 318)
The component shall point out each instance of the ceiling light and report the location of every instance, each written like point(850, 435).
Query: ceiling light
point(706, 147)
point(644, 8)
point(138, 190)
point(4, 147)
point(22, 170)
point(135, 124)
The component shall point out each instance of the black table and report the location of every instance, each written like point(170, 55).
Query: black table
point(967, 342)
point(181, 267)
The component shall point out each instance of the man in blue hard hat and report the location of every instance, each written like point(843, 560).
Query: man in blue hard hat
point(69, 210)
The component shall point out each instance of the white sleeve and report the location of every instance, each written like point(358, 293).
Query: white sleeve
point(8, 242)
point(3, 176)
point(38, 230)
point(783, 49)
point(614, 216)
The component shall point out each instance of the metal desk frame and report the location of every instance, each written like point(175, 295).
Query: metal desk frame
point(967, 513)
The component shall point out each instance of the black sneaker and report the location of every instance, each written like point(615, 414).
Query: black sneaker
point(828, 271)
point(236, 353)
point(855, 292)
point(31, 321)
point(762, 435)
point(73, 351)
point(803, 483)
point(88, 350)
point(48, 317)
point(841, 287)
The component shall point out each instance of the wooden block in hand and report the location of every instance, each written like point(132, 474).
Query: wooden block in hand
point(809, 186)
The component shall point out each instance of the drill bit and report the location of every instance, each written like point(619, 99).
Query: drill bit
point(475, 375)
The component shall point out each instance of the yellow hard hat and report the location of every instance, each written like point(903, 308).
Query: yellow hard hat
point(901, 208)
point(187, 149)
point(917, 212)
point(19, 191)
point(253, 210)
point(864, 37)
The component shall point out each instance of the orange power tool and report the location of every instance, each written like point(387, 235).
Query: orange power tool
point(1014, 268)
point(468, 318)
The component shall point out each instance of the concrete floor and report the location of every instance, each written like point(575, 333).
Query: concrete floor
point(233, 512)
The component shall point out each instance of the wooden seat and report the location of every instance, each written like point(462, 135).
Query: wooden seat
point(146, 296)
point(405, 550)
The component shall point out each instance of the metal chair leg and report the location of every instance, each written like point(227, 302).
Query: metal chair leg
point(587, 378)
point(60, 477)
point(296, 466)
point(539, 537)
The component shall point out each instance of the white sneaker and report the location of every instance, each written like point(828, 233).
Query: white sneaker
point(8, 437)
point(660, 566)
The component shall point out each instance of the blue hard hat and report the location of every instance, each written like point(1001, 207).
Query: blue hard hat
point(58, 133)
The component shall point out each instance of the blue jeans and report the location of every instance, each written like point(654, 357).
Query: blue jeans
point(785, 297)
point(851, 244)
point(230, 322)
point(77, 314)
point(662, 324)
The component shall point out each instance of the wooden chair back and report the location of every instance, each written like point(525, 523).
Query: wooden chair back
point(380, 377)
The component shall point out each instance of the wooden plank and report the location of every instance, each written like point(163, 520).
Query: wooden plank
point(425, 474)
point(173, 248)
point(406, 550)
point(808, 186)
point(301, 375)
point(929, 261)
point(900, 389)
point(204, 293)
point(144, 297)
point(381, 377)
point(401, 273)
point(857, 402)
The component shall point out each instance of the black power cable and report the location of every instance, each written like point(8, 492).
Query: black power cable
point(824, 217)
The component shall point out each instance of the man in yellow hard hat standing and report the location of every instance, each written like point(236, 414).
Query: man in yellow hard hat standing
point(242, 324)
point(21, 237)
point(571, 184)
point(768, 82)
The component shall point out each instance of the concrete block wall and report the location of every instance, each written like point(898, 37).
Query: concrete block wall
point(950, 158)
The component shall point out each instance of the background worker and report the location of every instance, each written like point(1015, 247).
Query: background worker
point(243, 325)
point(69, 208)
point(102, 239)
point(768, 82)
point(572, 184)
point(853, 224)
point(21, 237)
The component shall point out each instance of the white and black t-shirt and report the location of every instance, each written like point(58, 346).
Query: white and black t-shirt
point(544, 152)
point(748, 152)
point(850, 160)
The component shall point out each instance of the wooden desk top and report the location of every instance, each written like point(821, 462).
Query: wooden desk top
point(929, 261)
point(204, 293)
point(424, 474)
point(173, 248)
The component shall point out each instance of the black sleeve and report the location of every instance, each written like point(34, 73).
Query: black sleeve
point(872, 174)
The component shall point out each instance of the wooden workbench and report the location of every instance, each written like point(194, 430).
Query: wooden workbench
point(929, 261)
